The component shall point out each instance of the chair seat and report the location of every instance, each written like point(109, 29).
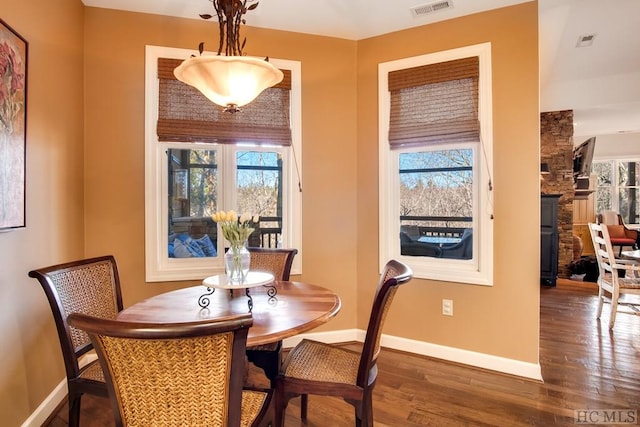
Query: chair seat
point(316, 361)
point(629, 282)
point(93, 371)
point(252, 403)
point(623, 282)
point(622, 241)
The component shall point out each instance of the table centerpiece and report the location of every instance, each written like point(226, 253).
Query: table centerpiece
point(236, 231)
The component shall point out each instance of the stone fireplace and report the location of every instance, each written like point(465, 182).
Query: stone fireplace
point(556, 150)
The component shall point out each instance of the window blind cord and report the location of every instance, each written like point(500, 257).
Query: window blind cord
point(295, 162)
point(490, 185)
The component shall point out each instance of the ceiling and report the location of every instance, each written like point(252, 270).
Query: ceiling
point(600, 83)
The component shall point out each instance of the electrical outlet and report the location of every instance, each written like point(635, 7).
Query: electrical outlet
point(447, 307)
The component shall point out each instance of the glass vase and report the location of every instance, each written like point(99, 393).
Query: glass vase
point(236, 262)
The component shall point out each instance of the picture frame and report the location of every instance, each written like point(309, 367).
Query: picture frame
point(13, 127)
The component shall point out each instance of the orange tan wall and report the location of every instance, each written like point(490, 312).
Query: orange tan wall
point(501, 320)
point(114, 137)
point(85, 176)
point(30, 360)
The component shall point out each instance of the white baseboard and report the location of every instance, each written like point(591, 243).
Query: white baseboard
point(48, 406)
point(466, 357)
point(51, 402)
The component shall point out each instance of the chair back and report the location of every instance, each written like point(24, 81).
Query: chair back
point(609, 218)
point(608, 265)
point(273, 260)
point(604, 253)
point(183, 374)
point(90, 286)
point(394, 274)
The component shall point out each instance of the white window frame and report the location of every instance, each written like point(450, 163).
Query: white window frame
point(158, 266)
point(478, 270)
point(614, 188)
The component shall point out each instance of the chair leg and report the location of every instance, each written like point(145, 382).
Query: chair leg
point(359, 413)
point(364, 416)
point(600, 302)
point(614, 308)
point(279, 406)
point(304, 400)
point(74, 409)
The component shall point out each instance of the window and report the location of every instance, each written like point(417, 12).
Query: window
point(435, 164)
point(618, 188)
point(196, 164)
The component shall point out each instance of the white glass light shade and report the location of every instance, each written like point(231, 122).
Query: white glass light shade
point(229, 81)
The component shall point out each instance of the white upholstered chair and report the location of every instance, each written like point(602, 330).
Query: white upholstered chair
point(612, 287)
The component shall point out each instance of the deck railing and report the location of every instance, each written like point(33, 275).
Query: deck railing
point(268, 233)
point(438, 226)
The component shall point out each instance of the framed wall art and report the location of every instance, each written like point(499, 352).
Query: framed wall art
point(13, 121)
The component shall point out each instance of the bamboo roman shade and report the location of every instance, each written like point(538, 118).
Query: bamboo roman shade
point(435, 103)
point(185, 115)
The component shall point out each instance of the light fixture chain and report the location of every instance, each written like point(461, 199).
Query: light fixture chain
point(230, 17)
point(221, 24)
point(236, 27)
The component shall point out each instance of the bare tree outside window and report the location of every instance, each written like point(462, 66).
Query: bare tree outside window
point(604, 172)
point(436, 202)
point(203, 183)
point(259, 192)
point(628, 191)
point(259, 182)
point(437, 184)
point(618, 188)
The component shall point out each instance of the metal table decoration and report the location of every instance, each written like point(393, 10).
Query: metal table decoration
point(253, 279)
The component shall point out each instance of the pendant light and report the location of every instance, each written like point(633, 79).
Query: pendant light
point(229, 78)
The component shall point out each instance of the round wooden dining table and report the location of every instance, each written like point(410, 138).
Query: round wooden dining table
point(297, 307)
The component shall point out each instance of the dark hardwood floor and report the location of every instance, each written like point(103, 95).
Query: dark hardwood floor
point(584, 365)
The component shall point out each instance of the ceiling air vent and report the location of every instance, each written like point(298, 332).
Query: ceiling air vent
point(431, 7)
point(585, 40)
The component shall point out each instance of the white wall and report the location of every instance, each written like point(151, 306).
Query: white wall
point(618, 146)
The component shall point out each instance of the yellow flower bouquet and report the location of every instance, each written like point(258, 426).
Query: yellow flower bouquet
point(236, 231)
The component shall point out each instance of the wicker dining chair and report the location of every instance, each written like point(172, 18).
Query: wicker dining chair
point(272, 260)
point(90, 286)
point(312, 367)
point(277, 262)
point(177, 374)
